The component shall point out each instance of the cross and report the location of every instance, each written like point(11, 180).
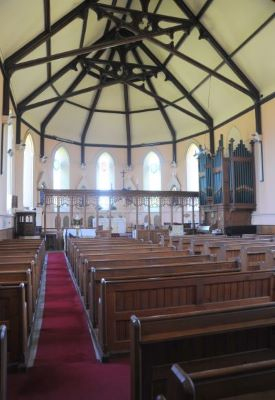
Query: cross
point(123, 173)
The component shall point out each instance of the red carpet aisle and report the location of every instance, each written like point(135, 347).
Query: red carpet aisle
point(65, 366)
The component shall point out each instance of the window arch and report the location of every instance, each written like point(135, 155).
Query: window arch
point(152, 177)
point(9, 167)
point(192, 169)
point(61, 169)
point(151, 172)
point(105, 177)
point(28, 173)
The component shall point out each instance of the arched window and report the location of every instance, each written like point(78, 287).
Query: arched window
point(28, 173)
point(105, 177)
point(61, 169)
point(9, 167)
point(151, 172)
point(152, 176)
point(192, 169)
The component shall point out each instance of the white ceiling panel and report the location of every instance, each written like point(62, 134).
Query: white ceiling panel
point(149, 127)
point(68, 122)
point(107, 128)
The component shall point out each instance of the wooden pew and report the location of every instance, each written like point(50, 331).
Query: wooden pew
point(119, 299)
point(144, 271)
point(149, 259)
point(10, 278)
point(23, 265)
point(3, 362)
point(225, 353)
point(81, 255)
point(13, 314)
point(230, 249)
point(78, 243)
point(127, 255)
point(107, 248)
point(256, 256)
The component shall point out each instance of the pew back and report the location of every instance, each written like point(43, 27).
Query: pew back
point(3, 362)
point(227, 343)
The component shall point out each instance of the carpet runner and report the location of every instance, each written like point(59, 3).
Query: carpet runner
point(65, 365)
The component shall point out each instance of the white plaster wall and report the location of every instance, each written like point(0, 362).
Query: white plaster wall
point(265, 212)
point(6, 220)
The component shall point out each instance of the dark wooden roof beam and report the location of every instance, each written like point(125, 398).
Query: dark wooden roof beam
point(160, 107)
point(71, 65)
point(138, 16)
point(205, 34)
point(184, 57)
point(84, 16)
point(204, 8)
point(178, 84)
point(91, 114)
point(47, 26)
point(128, 126)
point(170, 103)
point(45, 35)
point(121, 40)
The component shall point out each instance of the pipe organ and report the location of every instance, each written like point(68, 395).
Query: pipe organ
point(227, 185)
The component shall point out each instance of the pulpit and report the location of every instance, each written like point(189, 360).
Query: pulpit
point(25, 223)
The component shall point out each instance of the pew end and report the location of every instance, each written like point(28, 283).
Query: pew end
point(3, 362)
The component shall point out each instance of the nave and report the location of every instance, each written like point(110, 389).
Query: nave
point(65, 366)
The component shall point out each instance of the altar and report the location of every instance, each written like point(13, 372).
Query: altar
point(117, 224)
point(81, 232)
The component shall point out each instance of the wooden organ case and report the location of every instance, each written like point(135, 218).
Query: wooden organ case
point(227, 186)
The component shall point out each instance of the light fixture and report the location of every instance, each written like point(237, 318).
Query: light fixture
point(43, 159)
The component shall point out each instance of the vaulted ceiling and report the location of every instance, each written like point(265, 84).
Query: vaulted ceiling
point(128, 73)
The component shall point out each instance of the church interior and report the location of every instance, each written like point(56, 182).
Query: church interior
point(137, 217)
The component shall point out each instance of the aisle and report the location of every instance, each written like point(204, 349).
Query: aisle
point(65, 365)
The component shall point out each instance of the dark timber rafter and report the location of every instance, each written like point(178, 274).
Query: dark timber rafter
point(184, 91)
point(91, 114)
point(45, 35)
point(72, 65)
point(123, 54)
point(206, 5)
point(205, 34)
point(47, 23)
point(128, 126)
point(177, 83)
point(170, 103)
point(180, 55)
point(152, 27)
point(84, 16)
point(162, 111)
point(55, 109)
point(109, 82)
